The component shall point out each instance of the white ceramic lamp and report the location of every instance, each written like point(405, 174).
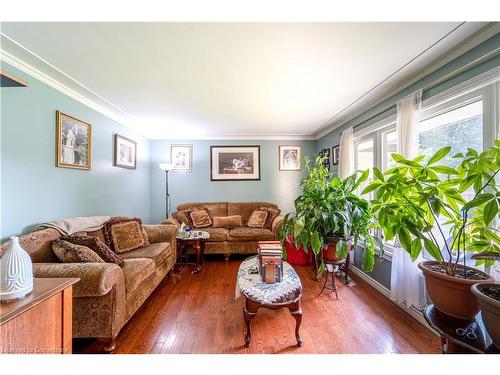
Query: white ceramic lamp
point(16, 272)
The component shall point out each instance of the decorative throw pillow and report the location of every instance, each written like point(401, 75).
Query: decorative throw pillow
point(273, 214)
point(99, 247)
point(68, 252)
point(124, 235)
point(201, 218)
point(228, 221)
point(182, 217)
point(258, 219)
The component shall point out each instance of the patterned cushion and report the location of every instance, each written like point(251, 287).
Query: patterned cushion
point(273, 213)
point(258, 219)
point(99, 247)
point(135, 271)
point(182, 217)
point(250, 234)
point(67, 252)
point(124, 235)
point(201, 219)
point(228, 221)
point(216, 234)
point(159, 252)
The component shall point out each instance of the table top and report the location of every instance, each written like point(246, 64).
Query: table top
point(42, 290)
point(251, 286)
point(447, 325)
point(193, 235)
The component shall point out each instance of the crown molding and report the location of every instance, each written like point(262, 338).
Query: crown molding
point(471, 42)
point(243, 137)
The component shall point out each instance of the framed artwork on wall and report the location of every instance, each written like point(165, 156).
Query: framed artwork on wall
point(335, 155)
point(235, 163)
point(325, 153)
point(125, 152)
point(181, 157)
point(289, 158)
point(73, 142)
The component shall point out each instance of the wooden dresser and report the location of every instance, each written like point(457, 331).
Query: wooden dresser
point(41, 322)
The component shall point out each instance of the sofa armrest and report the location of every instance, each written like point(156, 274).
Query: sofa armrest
point(172, 221)
point(96, 279)
point(276, 226)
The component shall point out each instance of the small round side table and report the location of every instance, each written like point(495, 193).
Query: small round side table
point(194, 239)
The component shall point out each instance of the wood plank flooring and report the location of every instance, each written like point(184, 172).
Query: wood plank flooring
point(199, 314)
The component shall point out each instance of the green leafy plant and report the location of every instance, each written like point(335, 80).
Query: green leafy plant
point(421, 200)
point(327, 208)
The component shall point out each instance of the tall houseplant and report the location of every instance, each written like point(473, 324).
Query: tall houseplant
point(328, 210)
point(424, 203)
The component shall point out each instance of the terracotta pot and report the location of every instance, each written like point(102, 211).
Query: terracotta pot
point(490, 310)
point(451, 295)
point(329, 251)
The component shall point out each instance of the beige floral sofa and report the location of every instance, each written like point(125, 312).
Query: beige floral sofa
point(107, 295)
point(242, 240)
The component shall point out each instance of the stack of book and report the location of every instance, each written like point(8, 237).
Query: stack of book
point(269, 255)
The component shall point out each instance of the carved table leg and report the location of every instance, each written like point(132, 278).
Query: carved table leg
point(109, 344)
point(249, 315)
point(296, 312)
point(197, 249)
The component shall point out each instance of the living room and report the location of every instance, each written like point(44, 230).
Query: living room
point(198, 186)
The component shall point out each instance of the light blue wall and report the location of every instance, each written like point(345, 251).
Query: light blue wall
point(34, 190)
point(280, 187)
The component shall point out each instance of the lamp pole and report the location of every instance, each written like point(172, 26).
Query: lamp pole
point(167, 196)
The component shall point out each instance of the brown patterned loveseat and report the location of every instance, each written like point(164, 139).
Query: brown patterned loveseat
point(242, 240)
point(106, 296)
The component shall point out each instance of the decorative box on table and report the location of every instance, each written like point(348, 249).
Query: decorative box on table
point(270, 259)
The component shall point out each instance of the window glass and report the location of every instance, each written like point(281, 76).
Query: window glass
point(390, 140)
point(365, 160)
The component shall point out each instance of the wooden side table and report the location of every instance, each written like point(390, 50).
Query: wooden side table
point(451, 341)
point(41, 322)
point(186, 240)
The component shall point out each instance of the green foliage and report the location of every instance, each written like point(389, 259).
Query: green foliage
point(411, 198)
point(328, 207)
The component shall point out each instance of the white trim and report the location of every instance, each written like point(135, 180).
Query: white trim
point(244, 137)
point(414, 313)
point(476, 39)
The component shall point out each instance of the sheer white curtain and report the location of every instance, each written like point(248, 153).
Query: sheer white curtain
point(346, 158)
point(407, 285)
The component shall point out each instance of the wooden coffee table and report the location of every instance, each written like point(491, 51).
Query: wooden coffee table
point(258, 294)
point(192, 239)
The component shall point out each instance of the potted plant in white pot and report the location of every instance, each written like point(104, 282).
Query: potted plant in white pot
point(330, 218)
point(423, 204)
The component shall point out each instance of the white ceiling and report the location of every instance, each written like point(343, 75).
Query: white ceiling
point(210, 80)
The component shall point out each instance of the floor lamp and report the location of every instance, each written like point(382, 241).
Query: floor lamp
point(166, 167)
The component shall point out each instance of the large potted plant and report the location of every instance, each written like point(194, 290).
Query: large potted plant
point(424, 204)
point(329, 216)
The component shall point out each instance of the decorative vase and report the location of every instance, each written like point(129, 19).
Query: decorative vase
point(16, 272)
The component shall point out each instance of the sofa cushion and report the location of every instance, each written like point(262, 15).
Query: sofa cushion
point(245, 209)
point(124, 235)
point(201, 218)
point(136, 270)
point(159, 252)
point(68, 252)
point(250, 234)
point(38, 245)
point(228, 221)
point(258, 219)
point(216, 234)
point(182, 217)
point(273, 213)
point(214, 208)
point(96, 245)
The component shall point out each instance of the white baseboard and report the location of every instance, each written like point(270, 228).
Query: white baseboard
point(417, 315)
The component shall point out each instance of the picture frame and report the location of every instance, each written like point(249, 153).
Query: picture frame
point(73, 142)
point(325, 153)
point(181, 157)
point(125, 152)
point(335, 155)
point(235, 163)
point(289, 157)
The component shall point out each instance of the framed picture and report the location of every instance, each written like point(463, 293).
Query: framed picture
point(325, 153)
point(73, 142)
point(335, 155)
point(235, 163)
point(181, 157)
point(125, 152)
point(289, 158)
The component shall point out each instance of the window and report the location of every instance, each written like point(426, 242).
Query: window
point(365, 158)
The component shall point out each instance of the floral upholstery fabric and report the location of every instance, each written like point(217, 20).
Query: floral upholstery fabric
point(68, 252)
point(38, 245)
point(135, 271)
point(158, 252)
point(250, 234)
point(123, 235)
point(200, 218)
point(216, 234)
point(96, 245)
point(258, 219)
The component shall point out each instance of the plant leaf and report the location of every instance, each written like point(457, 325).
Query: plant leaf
point(439, 155)
point(479, 200)
point(490, 211)
point(432, 249)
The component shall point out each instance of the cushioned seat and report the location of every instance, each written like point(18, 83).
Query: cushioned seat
point(159, 252)
point(250, 234)
point(135, 271)
point(216, 234)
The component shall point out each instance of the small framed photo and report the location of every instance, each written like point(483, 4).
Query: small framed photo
point(289, 158)
point(73, 142)
point(235, 163)
point(181, 157)
point(325, 154)
point(125, 152)
point(335, 155)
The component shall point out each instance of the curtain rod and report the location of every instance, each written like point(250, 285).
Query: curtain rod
point(438, 81)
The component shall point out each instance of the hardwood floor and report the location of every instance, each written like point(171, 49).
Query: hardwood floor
point(198, 313)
